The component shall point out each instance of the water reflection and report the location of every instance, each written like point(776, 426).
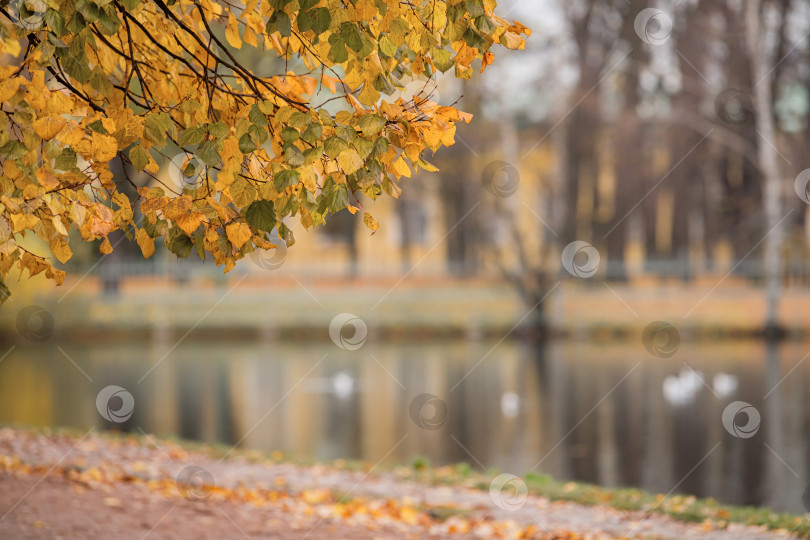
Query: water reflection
point(604, 413)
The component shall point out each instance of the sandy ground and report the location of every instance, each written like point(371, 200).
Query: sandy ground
point(91, 487)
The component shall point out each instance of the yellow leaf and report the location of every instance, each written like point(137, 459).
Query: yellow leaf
point(370, 222)
point(513, 41)
point(189, 222)
point(152, 205)
point(369, 96)
point(60, 249)
point(232, 32)
point(243, 193)
point(57, 275)
point(8, 88)
point(250, 38)
point(104, 147)
point(47, 179)
point(146, 243)
point(349, 161)
point(72, 135)
point(486, 60)
point(238, 234)
point(105, 248)
point(177, 207)
point(47, 128)
point(401, 168)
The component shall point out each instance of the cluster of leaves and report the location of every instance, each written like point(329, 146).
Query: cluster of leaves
point(90, 81)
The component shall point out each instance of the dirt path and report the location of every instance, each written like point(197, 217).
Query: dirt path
point(96, 487)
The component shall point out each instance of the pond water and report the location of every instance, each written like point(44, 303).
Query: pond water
point(605, 413)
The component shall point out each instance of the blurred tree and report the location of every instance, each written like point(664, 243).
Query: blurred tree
point(86, 82)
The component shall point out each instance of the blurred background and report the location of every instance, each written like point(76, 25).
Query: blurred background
point(613, 254)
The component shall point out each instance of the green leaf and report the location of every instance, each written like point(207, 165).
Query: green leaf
point(246, 144)
point(108, 21)
point(181, 246)
point(193, 135)
point(13, 150)
point(55, 21)
point(430, 167)
point(283, 24)
point(348, 134)
point(318, 20)
point(390, 187)
point(218, 130)
point(289, 135)
point(299, 120)
point(442, 58)
point(371, 124)
point(130, 4)
point(155, 127)
point(351, 35)
point(363, 146)
point(243, 192)
point(258, 134)
point(333, 146)
point(100, 82)
point(257, 116)
point(312, 133)
point(339, 198)
point(76, 23)
point(286, 178)
point(337, 52)
point(261, 215)
point(208, 153)
point(326, 118)
point(4, 291)
point(387, 47)
point(98, 127)
point(474, 39)
point(199, 242)
point(380, 147)
point(293, 156)
point(311, 155)
point(89, 10)
point(139, 157)
point(76, 66)
point(66, 160)
point(475, 8)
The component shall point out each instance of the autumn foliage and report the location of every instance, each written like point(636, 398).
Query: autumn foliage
point(84, 83)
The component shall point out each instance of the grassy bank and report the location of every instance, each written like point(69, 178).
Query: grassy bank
point(680, 507)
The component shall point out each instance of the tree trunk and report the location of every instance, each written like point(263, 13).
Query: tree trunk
point(767, 157)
